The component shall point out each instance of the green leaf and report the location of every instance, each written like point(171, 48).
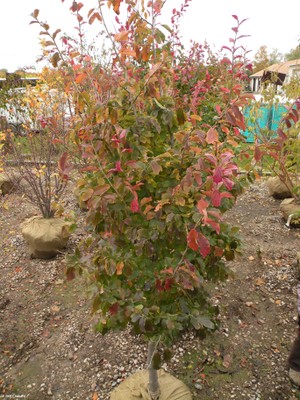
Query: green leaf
point(180, 116)
point(167, 27)
point(158, 104)
point(167, 355)
point(206, 322)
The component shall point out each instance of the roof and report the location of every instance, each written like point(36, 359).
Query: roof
point(21, 82)
point(281, 68)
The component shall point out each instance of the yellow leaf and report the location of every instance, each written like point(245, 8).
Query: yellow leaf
point(180, 136)
point(196, 117)
point(87, 195)
point(161, 203)
point(119, 267)
point(180, 201)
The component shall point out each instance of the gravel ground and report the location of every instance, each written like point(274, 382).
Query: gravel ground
point(49, 350)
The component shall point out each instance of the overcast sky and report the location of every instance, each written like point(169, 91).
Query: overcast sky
point(271, 23)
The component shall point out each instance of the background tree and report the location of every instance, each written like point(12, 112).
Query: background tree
point(261, 59)
point(293, 54)
point(275, 56)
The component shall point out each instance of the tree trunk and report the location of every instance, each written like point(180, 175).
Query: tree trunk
point(153, 376)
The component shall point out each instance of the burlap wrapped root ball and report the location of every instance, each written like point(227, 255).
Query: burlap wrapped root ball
point(6, 185)
point(277, 188)
point(291, 212)
point(136, 387)
point(46, 237)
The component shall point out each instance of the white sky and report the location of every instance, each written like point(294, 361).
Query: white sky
point(271, 23)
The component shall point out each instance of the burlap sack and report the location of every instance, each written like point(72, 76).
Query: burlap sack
point(291, 212)
point(6, 185)
point(277, 188)
point(46, 237)
point(136, 387)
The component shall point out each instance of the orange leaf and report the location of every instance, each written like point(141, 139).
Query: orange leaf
point(117, 4)
point(212, 136)
point(122, 36)
point(80, 78)
point(128, 52)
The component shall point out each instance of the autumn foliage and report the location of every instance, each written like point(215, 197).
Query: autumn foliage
point(156, 129)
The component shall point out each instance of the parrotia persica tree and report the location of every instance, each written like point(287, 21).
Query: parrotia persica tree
point(158, 130)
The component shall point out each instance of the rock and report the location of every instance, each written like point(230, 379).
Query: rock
point(277, 188)
point(46, 237)
point(291, 212)
point(294, 377)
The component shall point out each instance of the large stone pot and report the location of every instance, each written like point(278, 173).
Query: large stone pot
point(46, 237)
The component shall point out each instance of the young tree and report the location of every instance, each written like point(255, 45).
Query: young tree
point(160, 173)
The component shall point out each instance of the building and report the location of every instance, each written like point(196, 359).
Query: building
point(14, 81)
point(278, 74)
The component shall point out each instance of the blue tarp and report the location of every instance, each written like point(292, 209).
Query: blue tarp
point(267, 117)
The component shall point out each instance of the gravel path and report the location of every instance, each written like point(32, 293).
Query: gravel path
point(48, 349)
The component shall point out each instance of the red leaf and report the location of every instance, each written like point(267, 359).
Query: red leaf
point(257, 154)
point(158, 285)
point(157, 6)
point(216, 198)
point(117, 168)
point(204, 245)
point(218, 108)
point(63, 166)
point(134, 206)
point(218, 252)
point(168, 283)
point(198, 242)
point(228, 183)
point(215, 225)
point(202, 206)
point(224, 89)
point(218, 175)
point(281, 134)
point(114, 309)
point(192, 239)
